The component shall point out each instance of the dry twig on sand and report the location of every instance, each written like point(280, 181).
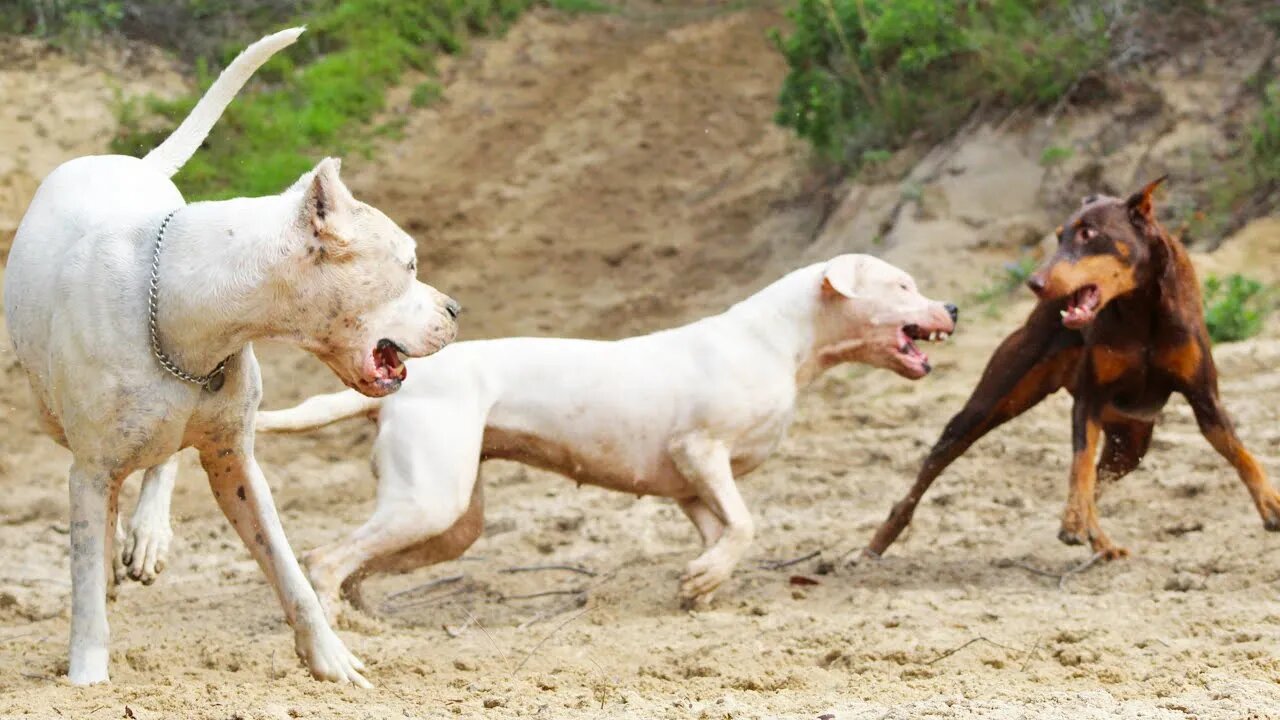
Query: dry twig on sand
point(1062, 576)
point(780, 564)
point(958, 648)
point(548, 637)
point(536, 568)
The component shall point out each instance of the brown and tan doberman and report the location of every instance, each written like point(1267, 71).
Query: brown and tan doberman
point(1120, 325)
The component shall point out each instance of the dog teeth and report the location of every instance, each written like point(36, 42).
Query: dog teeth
point(1063, 313)
point(944, 335)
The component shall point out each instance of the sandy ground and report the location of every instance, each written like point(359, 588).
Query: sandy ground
point(609, 175)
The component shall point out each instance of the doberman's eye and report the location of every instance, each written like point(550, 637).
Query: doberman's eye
point(1087, 233)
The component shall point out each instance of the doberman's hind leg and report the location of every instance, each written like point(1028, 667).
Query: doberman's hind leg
point(1217, 429)
point(1031, 364)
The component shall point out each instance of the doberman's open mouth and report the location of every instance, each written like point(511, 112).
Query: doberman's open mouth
point(1082, 308)
point(387, 363)
point(912, 356)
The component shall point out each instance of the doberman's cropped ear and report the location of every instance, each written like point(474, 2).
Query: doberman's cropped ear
point(840, 276)
point(1141, 208)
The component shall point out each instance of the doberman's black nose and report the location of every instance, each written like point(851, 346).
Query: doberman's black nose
point(453, 308)
point(953, 311)
point(1036, 283)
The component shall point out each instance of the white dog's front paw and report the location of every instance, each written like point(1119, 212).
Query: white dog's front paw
point(325, 655)
point(88, 666)
point(146, 549)
point(703, 576)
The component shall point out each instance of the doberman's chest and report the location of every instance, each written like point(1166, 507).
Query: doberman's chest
point(1136, 378)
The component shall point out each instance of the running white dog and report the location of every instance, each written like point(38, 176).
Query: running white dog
point(135, 353)
point(678, 413)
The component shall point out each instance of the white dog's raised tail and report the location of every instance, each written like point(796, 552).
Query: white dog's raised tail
point(316, 412)
point(178, 148)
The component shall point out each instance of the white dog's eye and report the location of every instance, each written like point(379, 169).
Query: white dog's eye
point(903, 286)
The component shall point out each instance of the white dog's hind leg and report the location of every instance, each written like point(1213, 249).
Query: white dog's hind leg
point(146, 548)
point(709, 526)
point(245, 498)
point(446, 546)
point(705, 463)
point(93, 498)
point(425, 483)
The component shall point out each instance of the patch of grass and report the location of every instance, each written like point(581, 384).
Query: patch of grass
point(1055, 155)
point(425, 93)
point(322, 92)
point(1247, 178)
point(868, 74)
point(1264, 139)
point(1012, 276)
point(65, 23)
point(1235, 307)
point(580, 6)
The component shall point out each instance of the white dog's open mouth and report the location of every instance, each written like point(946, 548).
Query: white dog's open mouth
point(914, 361)
point(1082, 308)
point(388, 369)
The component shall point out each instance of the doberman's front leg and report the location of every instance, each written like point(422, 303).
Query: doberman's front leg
point(1217, 429)
point(1029, 365)
point(1080, 519)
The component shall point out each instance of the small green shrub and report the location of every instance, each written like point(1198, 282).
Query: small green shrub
point(1055, 155)
point(868, 74)
point(1007, 281)
point(1234, 308)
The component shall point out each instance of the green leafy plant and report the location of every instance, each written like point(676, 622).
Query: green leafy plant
point(874, 74)
point(1234, 307)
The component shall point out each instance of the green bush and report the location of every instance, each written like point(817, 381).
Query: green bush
point(1234, 308)
point(322, 93)
point(873, 74)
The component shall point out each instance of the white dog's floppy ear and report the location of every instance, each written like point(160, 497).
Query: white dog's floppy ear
point(840, 276)
point(326, 204)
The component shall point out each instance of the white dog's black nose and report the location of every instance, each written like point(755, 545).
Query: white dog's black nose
point(453, 308)
point(953, 311)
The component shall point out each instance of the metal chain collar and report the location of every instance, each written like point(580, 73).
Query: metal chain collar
point(211, 382)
